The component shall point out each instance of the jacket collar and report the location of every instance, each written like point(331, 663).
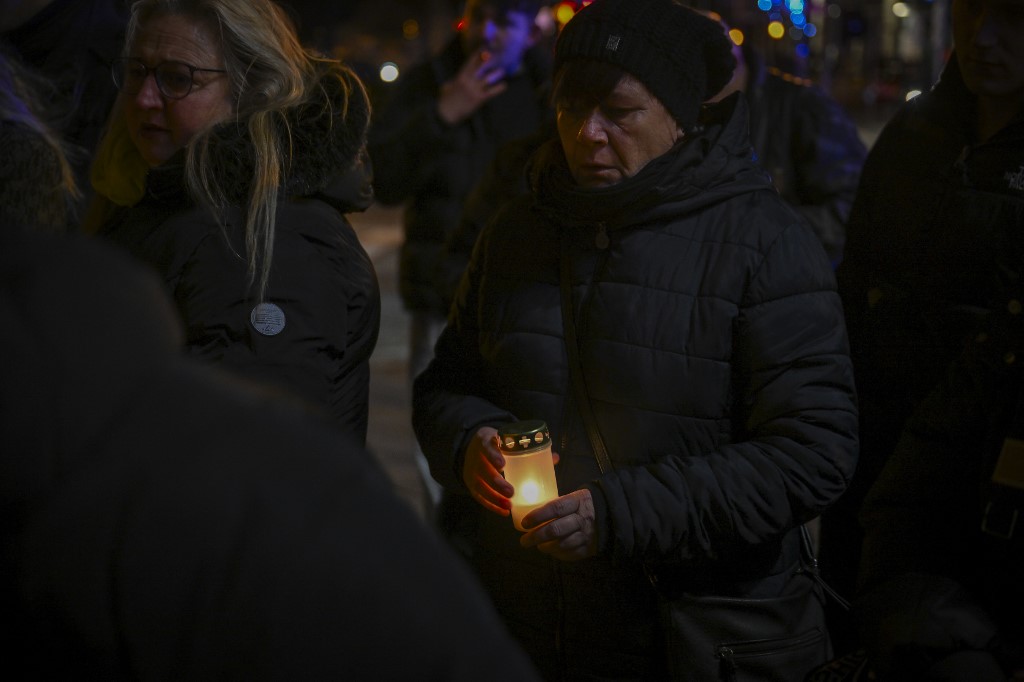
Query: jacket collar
point(710, 165)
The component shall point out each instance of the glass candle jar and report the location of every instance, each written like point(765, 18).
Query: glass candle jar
point(529, 466)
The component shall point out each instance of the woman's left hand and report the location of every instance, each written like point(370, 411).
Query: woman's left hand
point(564, 528)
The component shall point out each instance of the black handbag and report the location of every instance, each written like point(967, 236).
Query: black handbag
point(710, 637)
point(782, 637)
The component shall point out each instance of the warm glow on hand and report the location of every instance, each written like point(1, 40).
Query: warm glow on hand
point(565, 528)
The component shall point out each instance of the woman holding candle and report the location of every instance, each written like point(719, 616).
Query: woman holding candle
point(233, 155)
point(702, 316)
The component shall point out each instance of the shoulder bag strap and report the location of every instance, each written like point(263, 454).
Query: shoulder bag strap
point(579, 383)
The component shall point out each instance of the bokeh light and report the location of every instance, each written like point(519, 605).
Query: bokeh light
point(410, 29)
point(388, 72)
point(564, 12)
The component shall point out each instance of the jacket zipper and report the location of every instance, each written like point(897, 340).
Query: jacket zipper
point(729, 652)
point(599, 265)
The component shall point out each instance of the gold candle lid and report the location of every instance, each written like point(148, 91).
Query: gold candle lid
point(524, 436)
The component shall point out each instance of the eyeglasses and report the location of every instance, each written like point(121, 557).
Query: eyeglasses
point(174, 79)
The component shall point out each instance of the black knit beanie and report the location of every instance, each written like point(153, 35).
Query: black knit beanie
point(682, 57)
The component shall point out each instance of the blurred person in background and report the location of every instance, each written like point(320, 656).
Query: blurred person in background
point(37, 183)
point(503, 180)
point(804, 139)
point(709, 411)
point(232, 157)
point(433, 138)
point(939, 209)
point(163, 519)
point(70, 43)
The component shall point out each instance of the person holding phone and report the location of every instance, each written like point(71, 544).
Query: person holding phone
point(433, 138)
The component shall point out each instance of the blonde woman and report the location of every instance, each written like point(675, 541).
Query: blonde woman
point(234, 155)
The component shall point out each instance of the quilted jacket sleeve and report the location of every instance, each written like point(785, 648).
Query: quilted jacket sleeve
point(793, 446)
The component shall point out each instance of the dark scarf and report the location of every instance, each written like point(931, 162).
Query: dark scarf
point(711, 162)
point(560, 197)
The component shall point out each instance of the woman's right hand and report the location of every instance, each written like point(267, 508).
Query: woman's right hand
point(481, 472)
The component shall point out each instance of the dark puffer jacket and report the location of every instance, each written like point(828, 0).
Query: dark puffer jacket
point(944, 544)
point(432, 166)
point(321, 281)
point(933, 242)
point(716, 358)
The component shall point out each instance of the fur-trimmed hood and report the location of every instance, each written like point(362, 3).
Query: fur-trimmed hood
point(327, 143)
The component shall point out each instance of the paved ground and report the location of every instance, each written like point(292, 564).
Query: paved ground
point(390, 436)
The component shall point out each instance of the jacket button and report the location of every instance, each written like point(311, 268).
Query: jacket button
point(1014, 307)
point(1009, 358)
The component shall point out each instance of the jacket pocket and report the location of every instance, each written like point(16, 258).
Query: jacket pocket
point(771, 659)
point(736, 639)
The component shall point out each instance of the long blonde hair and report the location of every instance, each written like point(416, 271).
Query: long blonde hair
point(270, 72)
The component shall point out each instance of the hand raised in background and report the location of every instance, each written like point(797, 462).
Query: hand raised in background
point(477, 81)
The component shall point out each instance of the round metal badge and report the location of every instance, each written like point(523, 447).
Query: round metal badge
point(267, 319)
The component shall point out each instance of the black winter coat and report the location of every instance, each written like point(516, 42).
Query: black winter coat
point(934, 237)
point(432, 166)
point(322, 281)
point(944, 544)
point(715, 353)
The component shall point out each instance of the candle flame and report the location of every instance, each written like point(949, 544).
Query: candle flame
point(530, 492)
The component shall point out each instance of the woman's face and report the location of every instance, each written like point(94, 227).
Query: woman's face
point(612, 141)
point(159, 126)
